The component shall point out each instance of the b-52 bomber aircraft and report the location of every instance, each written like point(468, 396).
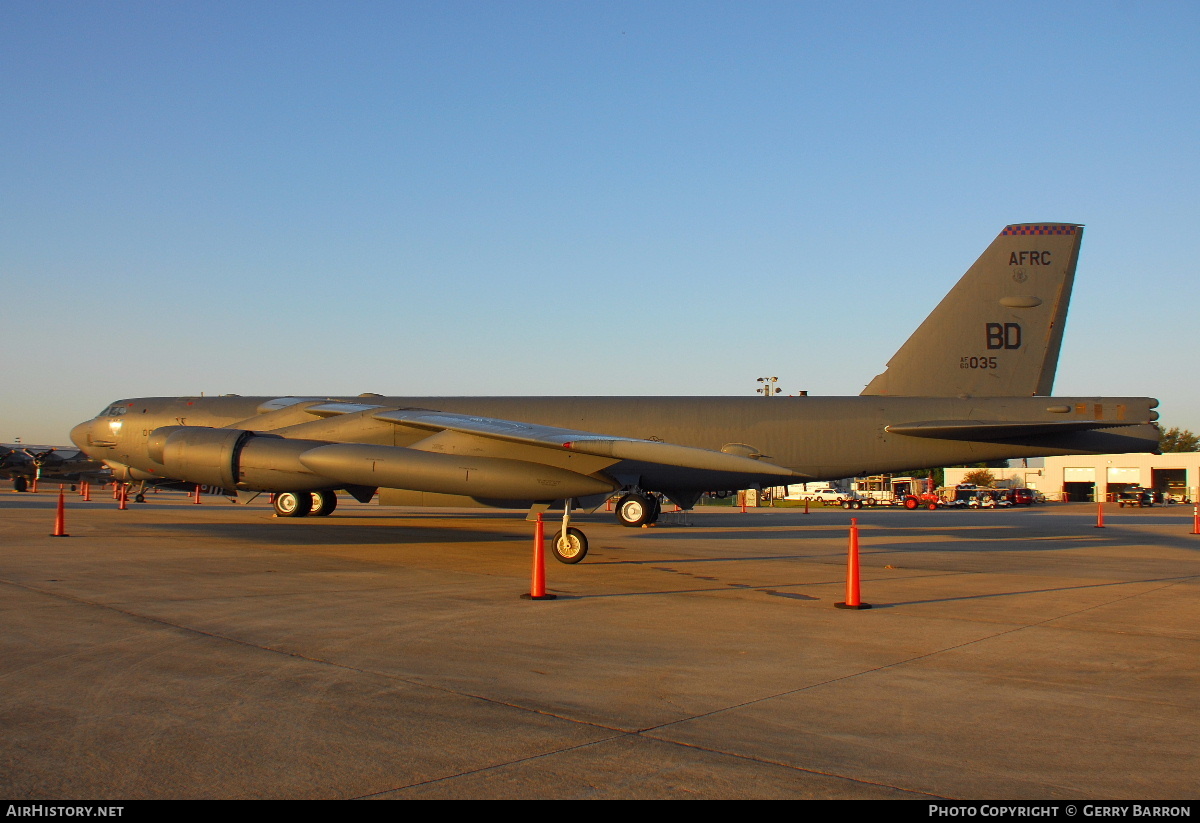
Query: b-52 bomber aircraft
point(971, 384)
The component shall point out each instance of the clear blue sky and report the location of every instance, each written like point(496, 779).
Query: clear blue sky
point(574, 197)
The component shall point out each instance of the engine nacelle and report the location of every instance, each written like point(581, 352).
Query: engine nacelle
point(199, 454)
point(495, 478)
point(234, 458)
point(272, 463)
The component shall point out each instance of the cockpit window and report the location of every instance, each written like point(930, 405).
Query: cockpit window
point(113, 411)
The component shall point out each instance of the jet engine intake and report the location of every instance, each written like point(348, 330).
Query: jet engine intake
point(234, 458)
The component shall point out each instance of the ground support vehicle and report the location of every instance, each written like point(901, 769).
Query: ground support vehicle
point(925, 500)
point(1135, 497)
point(989, 499)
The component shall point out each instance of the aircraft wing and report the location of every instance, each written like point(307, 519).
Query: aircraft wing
point(582, 442)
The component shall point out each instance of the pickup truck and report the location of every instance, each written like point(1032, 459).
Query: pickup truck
point(1135, 497)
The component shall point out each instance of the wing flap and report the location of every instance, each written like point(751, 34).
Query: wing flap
point(582, 442)
point(335, 409)
point(650, 451)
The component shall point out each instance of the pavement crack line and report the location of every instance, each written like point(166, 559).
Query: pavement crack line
point(638, 734)
point(615, 732)
point(410, 681)
point(926, 655)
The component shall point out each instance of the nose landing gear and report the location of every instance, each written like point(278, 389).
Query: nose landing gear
point(569, 544)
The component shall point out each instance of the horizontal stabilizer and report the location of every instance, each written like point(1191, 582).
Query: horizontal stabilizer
point(998, 430)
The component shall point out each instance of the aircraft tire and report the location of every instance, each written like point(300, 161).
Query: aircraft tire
point(634, 510)
point(655, 509)
point(20, 484)
point(323, 504)
point(293, 504)
point(139, 498)
point(572, 548)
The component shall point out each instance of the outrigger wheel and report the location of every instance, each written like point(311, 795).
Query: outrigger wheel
point(635, 510)
point(569, 549)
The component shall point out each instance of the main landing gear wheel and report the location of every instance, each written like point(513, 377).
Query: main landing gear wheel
point(569, 549)
point(634, 510)
point(293, 504)
point(323, 504)
point(139, 498)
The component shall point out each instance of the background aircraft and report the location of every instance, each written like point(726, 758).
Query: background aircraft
point(969, 385)
point(57, 464)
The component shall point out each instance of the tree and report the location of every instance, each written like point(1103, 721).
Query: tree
point(1178, 440)
point(979, 477)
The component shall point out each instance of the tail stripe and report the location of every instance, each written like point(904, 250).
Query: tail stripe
point(1052, 229)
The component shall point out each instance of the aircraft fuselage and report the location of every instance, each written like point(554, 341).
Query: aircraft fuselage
point(815, 437)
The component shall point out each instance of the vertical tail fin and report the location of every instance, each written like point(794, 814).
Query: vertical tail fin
point(999, 330)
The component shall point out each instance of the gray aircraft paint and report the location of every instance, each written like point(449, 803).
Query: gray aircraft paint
point(999, 330)
point(969, 376)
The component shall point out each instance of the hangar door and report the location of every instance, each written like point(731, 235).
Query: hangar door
point(1120, 479)
point(1079, 484)
point(1170, 481)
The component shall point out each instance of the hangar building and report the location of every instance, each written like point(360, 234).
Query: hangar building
point(1080, 477)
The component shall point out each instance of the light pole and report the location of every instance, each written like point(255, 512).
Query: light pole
point(768, 388)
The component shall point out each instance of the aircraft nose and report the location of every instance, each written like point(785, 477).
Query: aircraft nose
point(79, 435)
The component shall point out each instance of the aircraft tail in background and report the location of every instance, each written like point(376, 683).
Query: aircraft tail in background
point(999, 330)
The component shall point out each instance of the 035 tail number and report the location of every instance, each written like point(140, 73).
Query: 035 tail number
point(978, 363)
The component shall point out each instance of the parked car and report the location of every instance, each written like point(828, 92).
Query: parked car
point(1022, 497)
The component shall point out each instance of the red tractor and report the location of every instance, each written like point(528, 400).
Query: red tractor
point(925, 500)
